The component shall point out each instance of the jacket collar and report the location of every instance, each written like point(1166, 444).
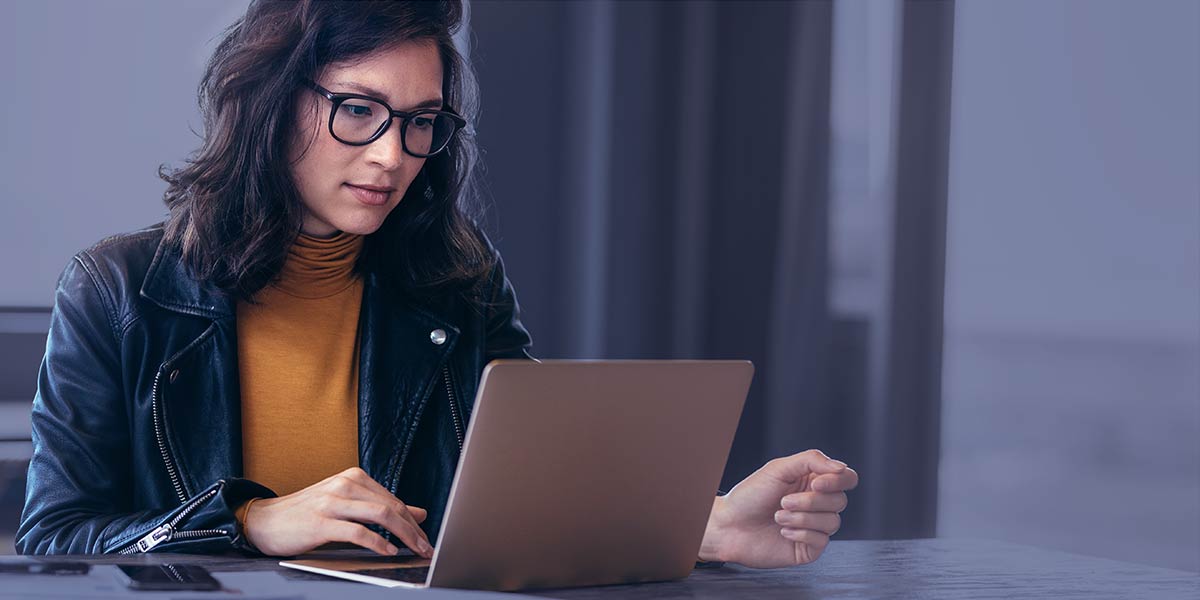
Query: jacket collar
point(169, 285)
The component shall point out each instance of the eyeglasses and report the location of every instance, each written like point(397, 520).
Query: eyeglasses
point(358, 120)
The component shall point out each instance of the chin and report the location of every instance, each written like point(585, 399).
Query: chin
point(362, 228)
point(358, 224)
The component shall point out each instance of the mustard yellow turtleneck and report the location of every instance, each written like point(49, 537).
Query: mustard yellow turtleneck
point(298, 364)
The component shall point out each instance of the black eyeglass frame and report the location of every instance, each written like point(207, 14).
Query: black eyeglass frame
point(405, 118)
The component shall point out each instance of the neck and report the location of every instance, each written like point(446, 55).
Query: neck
point(320, 234)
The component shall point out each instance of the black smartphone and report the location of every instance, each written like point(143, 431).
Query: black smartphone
point(168, 577)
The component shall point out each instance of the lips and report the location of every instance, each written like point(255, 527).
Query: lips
point(373, 188)
point(371, 195)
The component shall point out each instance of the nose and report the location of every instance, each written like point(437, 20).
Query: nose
point(388, 150)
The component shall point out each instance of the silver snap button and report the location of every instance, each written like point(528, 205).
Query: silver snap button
point(174, 374)
point(437, 336)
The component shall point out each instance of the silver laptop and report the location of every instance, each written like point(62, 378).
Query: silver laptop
point(577, 473)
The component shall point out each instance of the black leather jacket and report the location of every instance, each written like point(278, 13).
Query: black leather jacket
point(137, 442)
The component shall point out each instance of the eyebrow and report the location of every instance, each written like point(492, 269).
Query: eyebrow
point(370, 91)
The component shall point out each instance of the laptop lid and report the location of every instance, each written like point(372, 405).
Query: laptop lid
point(588, 472)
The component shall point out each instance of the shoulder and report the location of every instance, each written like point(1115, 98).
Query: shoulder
point(115, 266)
point(122, 259)
point(124, 247)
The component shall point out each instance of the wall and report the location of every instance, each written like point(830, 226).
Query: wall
point(1072, 355)
point(99, 94)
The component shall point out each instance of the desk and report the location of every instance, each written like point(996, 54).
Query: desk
point(936, 568)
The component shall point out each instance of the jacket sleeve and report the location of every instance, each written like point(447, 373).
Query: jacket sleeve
point(78, 494)
point(506, 336)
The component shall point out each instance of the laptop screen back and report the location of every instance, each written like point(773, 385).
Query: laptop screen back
point(588, 472)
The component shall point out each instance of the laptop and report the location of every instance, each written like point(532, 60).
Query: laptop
point(577, 473)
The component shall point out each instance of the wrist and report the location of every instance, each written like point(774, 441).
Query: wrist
point(243, 521)
point(711, 546)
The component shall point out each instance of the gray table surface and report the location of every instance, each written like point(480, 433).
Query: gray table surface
point(933, 568)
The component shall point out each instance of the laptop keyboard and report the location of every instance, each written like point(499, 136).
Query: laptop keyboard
point(405, 574)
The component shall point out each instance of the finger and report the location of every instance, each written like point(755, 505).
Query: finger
point(814, 539)
point(396, 507)
point(352, 486)
point(825, 522)
point(836, 482)
point(400, 524)
point(369, 512)
point(418, 514)
point(815, 502)
point(792, 468)
point(353, 533)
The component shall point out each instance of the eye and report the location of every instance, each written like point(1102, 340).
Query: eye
point(423, 122)
point(357, 110)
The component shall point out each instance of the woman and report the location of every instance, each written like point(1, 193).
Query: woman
point(289, 359)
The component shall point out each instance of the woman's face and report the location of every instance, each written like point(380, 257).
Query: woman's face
point(406, 76)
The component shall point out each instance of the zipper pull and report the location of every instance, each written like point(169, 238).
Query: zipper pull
point(156, 537)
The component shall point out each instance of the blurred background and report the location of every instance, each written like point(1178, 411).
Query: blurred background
point(960, 240)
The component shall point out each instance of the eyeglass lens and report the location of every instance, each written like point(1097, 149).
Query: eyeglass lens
point(356, 120)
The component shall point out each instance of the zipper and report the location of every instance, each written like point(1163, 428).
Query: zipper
point(166, 532)
point(457, 418)
point(160, 436)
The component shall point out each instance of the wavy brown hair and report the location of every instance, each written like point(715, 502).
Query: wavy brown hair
point(234, 208)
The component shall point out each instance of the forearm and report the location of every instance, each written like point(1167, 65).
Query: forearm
point(205, 523)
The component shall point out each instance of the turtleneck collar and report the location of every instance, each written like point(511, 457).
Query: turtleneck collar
point(320, 267)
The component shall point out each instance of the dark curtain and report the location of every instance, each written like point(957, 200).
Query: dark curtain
point(660, 180)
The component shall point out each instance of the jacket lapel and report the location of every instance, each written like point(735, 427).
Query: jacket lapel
point(198, 384)
point(400, 364)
